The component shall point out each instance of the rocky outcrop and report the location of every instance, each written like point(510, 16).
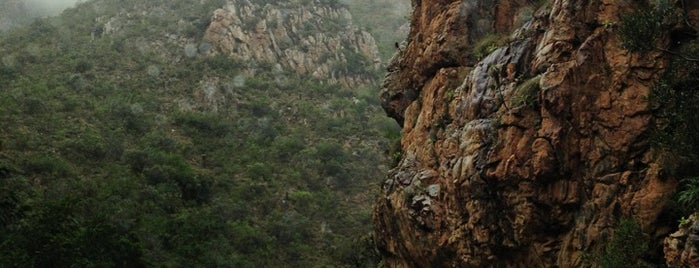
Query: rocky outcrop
point(320, 41)
point(529, 156)
point(316, 39)
point(681, 248)
point(251, 38)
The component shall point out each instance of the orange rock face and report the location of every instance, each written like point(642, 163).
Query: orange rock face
point(529, 156)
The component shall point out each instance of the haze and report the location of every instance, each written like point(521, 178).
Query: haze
point(48, 7)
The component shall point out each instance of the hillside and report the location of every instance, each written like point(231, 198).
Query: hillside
point(134, 136)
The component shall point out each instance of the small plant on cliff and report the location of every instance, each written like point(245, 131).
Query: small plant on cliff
point(626, 248)
point(488, 44)
point(689, 196)
point(683, 222)
point(527, 93)
point(640, 29)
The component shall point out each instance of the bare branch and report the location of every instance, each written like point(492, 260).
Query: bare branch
point(676, 54)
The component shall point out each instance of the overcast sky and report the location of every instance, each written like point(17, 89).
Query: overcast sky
point(49, 7)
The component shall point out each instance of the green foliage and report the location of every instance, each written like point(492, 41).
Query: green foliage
point(223, 64)
point(683, 222)
point(52, 166)
point(104, 164)
point(689, 195)
point(488, 44)
point(641, 29)
point(361, 252)
point(527, 93)
point(627, 247)
point(675, 98)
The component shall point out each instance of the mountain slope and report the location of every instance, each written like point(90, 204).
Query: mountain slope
point(127, 141)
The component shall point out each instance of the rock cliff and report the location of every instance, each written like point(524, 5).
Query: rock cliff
point(317, 40)
point(526, 155)
point(680, 247)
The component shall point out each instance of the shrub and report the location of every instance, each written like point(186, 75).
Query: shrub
point(676, 98)
point(626, 248)
point(488, 44)
point(89, 145)
point(49, 166)
point(527, 93)
point(202, 124)
point(689, 196)
point(223, 63)
point(329, 151)
point(641, 29)
point(360, 252)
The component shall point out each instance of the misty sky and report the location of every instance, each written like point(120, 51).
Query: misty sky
point(49, 7)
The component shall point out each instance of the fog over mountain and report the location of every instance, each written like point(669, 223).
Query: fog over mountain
point(48, 7)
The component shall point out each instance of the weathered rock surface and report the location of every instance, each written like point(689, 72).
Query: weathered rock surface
point(297, 38)
point(528, 157)
point(681, 248)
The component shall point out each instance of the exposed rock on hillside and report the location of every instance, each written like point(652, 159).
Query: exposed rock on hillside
point(526, 157)
point(316, 40)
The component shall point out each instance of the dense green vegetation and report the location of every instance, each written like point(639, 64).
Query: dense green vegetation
point(110, 157)
point(626, 248)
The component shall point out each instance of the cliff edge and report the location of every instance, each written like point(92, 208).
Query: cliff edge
point(525, 136)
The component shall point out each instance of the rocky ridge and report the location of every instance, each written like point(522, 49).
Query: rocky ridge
point(529, 156)
point(320, 41)
point(315, 39)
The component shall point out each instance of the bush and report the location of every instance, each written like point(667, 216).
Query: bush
point(202, 123)
point(641, 29)
point(627, 247)
point(488, 44)
point(676, 98)
point(223, 64)
point(48, 165)
point(360, 252)
point(689, 196)
point(527, 93)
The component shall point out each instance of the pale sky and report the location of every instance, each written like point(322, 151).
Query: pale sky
point(49, 7)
